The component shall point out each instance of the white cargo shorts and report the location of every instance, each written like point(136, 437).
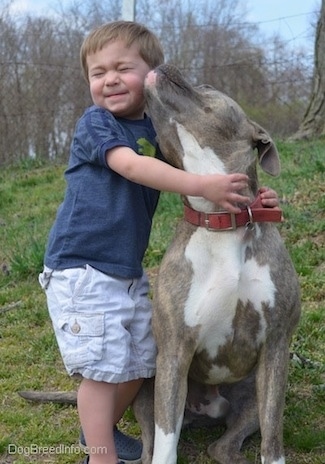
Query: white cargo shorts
point(102, 323)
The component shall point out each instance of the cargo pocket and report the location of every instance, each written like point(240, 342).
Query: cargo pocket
point(82, 339)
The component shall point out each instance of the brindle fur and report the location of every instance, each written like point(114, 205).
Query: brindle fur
point(257, 371)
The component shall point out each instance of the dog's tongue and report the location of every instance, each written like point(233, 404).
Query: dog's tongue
point(164, 72)
point(151, 78)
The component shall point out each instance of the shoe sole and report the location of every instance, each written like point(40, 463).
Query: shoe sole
point(138, 461)
point(122, 461)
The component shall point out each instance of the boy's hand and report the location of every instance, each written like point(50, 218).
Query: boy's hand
point(269, 197)
point(223, 190)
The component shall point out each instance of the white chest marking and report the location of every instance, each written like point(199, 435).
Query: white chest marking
point(199, 161)
point(221, 277)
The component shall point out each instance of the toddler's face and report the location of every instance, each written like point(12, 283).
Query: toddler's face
point(116, 77)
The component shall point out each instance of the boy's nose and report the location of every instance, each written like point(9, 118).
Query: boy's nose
point(111, 78)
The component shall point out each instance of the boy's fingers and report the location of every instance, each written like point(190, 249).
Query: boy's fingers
point(239, 177)
point(237, 198)
point(239, 185)
point(231, 208)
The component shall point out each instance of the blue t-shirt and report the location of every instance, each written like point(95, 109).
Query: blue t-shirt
point(104, 220)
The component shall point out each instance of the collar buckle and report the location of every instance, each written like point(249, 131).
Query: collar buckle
point(233, 224)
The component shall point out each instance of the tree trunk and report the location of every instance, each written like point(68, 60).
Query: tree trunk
point(313, 124)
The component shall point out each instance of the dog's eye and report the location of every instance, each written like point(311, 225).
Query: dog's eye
point(207, 109)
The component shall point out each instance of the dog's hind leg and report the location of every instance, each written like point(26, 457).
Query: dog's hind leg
point(241, 421)
point(271, 384)
point(143, 409)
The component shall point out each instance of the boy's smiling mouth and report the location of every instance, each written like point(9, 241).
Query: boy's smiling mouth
point(115, 96)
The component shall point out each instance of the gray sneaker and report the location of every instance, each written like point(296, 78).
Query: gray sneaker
point(128, 449)
point(86, 461)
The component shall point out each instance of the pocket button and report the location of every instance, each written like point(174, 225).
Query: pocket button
point(75, 328)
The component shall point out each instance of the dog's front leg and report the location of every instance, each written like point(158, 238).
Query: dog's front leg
point(170, 398)
point(271, 384)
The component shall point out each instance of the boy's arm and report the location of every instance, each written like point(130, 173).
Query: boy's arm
point(151, 172)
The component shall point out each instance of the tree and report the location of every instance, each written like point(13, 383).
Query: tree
point(42, 92)
point(313, 124)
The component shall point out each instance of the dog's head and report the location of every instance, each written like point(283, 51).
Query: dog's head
point(204, 131)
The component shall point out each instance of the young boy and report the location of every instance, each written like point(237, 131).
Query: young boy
point(96, 289)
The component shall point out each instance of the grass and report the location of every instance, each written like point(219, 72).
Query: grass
point(48, 433)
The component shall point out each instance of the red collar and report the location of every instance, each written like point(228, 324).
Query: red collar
point(222, 220)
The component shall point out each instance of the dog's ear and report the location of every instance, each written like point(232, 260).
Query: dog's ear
point(268, 155)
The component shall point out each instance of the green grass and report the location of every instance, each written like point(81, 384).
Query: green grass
point(29, 196)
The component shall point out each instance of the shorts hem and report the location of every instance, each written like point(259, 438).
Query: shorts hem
point(112, 377)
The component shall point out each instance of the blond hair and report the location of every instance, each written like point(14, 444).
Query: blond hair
point(129, 32)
